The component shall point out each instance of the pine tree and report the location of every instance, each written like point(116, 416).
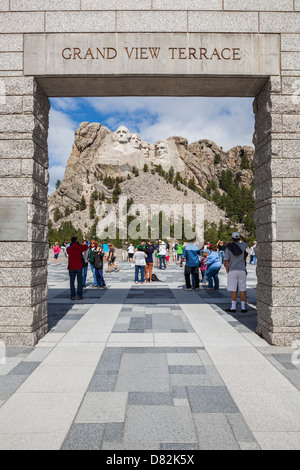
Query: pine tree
point(82, 205)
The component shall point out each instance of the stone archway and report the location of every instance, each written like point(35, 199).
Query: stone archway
point(57, 63)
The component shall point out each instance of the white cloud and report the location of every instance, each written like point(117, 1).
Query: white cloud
point(61, 137)
point(227, 121)
point(56, 172)
point(60, 142)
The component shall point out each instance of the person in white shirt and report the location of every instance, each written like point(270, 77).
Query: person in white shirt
point(162, 253)
point(139, 259)
point(130, 252)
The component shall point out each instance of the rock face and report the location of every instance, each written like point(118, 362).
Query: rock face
point(99, 154)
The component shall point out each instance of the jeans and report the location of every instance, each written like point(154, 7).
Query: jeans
point(148, 268)
point(194, 270)
point(221, 256)
point(162, 261)
point(84, 274)
point(99, 277)
point(204, 272)
point(73, 273)
point(94, 273)
point(253, 258)
point(213, 274)
point(137, 270)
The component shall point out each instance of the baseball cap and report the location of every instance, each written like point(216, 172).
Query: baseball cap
point(236, 236)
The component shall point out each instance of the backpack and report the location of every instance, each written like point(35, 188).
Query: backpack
point(155, 278)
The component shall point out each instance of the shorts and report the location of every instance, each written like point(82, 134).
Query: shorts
point(56, 255)
point(236, 280)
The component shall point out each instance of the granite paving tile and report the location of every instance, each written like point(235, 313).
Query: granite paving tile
point(164, 424)
point(84, 436)
point(24, 368)
point(149, 398)
point(113, 432)
point(211, 399)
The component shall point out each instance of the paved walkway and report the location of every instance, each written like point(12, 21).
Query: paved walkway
point(140, 367)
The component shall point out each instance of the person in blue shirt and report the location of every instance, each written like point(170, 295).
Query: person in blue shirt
point(190, 255)
point(213, 264)
point(105, 251)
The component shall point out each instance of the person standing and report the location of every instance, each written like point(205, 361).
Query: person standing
point(92, 249)
point(130, 252)
point(56, 250)
point(252, 254)
point(236, 270)
point(140, 263)
point(213, 264)
point(98, 264)
point(105, 251)
point(174, 251)
point(179, 252)
point(190, 255)
point(149, 250)
point(162, 253)
point(203, 267)
point(85, 263)
point(74, 252)
point(221, 248)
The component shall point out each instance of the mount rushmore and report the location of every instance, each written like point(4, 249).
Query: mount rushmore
point(139, 168)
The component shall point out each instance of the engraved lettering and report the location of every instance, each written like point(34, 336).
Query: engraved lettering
point(89, 53)
point(222, 53)
point(101, 53)
point(182, 53)
point(77, 53)
point(129, 53)
point(192, 52)
point(236, 51)
point(202, 53)
point(69, 55)
point(215, 53)
point(173, 49)
point(154, 51)
point(111, 53)
point(144, 52)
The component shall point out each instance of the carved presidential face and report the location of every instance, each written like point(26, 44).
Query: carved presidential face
point(161, 149)
point(123, 135)
point(135, 141)
point(145, 147)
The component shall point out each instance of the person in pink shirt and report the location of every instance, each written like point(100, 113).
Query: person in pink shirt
point(56, 250)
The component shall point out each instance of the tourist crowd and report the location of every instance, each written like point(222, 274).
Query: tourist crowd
point(145, 256)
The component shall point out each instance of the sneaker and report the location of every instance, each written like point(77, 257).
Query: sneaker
point(244, 311)
point(190, 289)
point(136, 282)
point(73, 298)
point(229, 310)
point(79, 297)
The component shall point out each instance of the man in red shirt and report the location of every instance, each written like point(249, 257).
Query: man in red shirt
point(75, 267)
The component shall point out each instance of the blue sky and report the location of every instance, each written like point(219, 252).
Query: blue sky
point(226, 121)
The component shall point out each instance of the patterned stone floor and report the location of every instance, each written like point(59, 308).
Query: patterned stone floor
point(143, 374)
